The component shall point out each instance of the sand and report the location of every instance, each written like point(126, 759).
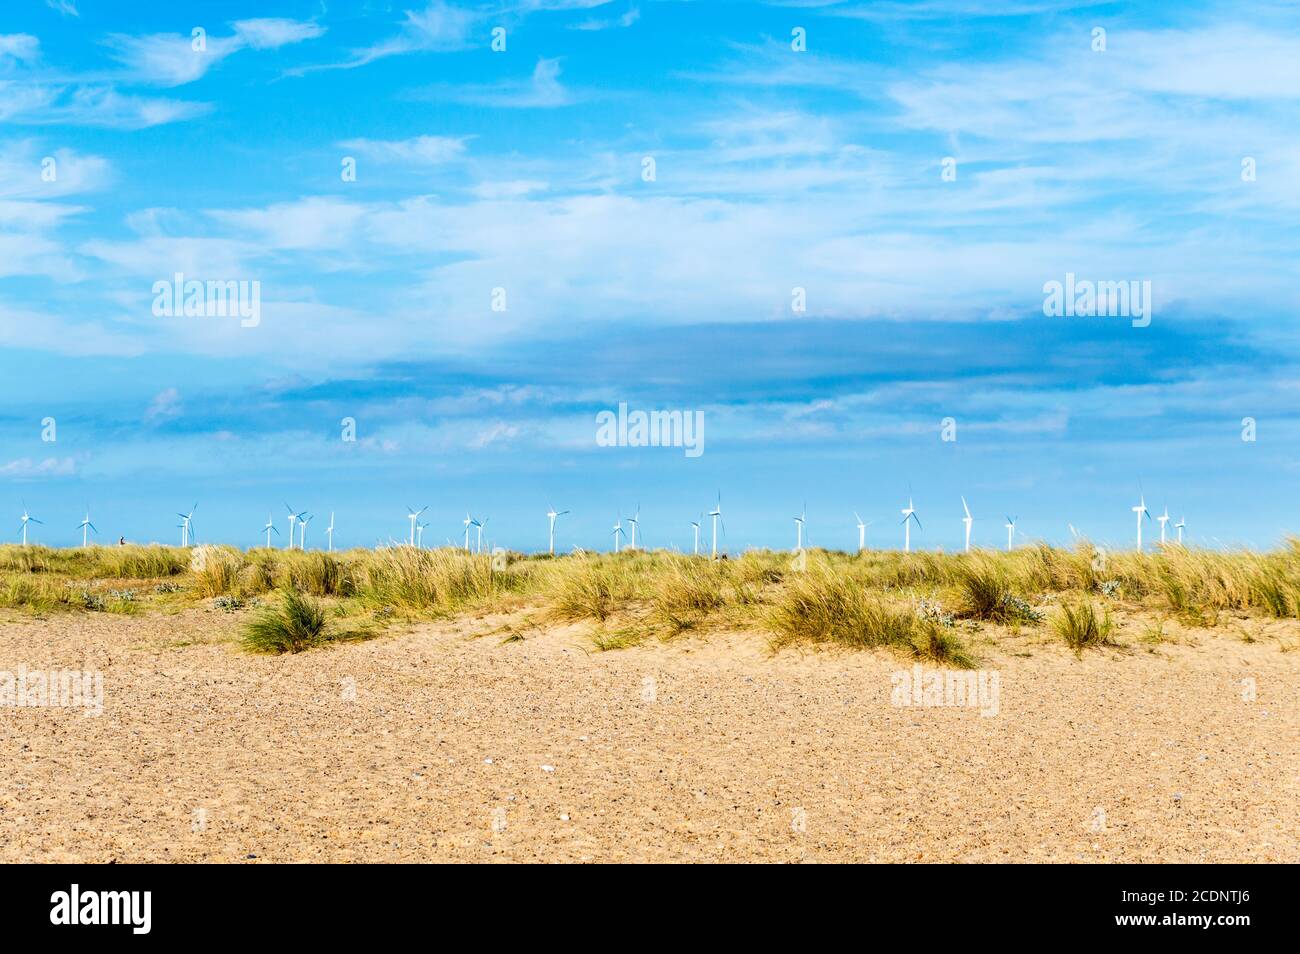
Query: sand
point(439, 743)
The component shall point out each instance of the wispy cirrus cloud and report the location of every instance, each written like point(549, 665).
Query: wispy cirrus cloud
point(168, 60)
point(32, 95)
point(418, 150)
point(437, 28)
point(542, 90)
point(26, 467)
point(596, 24)
point(18, 48)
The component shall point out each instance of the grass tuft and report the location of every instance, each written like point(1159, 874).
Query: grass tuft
point(296, 624)
point(1080, 626)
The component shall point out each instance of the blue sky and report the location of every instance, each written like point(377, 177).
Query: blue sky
point(819, 169)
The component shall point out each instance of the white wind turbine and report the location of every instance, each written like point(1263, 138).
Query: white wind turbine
point(419, 535)
point(1011, 530)
point(1162, 520)
point(86, 526)
point(696, 525)
point(186, 525)
point(551, 515)
point(292, 518)
point(716, 514)
point(1141, 511)
point(617, 533)
point(270, 529)
point(862, 532)
point(968, 520)
point(909, 514)
point(304, 518)
point(329, 532)
point(799, 522)
point(413, 515)
point(480, 525)
point(27, 518)
point(1182, 522)
point(635, 523)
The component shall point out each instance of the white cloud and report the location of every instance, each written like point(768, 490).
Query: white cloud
point(167, 59)
point(270, 33)
point(420, 150)
point(43, 104)
point(629, 17)
point(18, 47)
point(542, 90)
point(165, 405)
point(439, 28)
point(48, 467)
point(314, 223)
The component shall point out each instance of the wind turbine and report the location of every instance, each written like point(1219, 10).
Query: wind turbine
point(551, 515)
point(480, 526)
point(799, 521)
point(1141, 511)
point(86, 526)
point(968, 520)
point(304, 518)
point(419, 535)
point(617, 533)
point(329, 532)
point(270, 529)
point(413, 515)
point(1162, 520)
point(292, 518)
point(187, 522)
point(909, 514)
point(27, 518)
point(696, 525)
point(1182, 522)
point(716, 514)
point(634, 523)
point(468, 522)
point(1011, 531)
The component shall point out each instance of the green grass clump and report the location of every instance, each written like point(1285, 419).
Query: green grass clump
point(687, 590)
point(216, 570)
point(34, 594)
point(296, 624)
point(422, 581)
point(1080, 626)
point(821, 607)
point(590, 587)
point(987, 593)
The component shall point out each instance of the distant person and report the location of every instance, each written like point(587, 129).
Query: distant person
point(121, 541)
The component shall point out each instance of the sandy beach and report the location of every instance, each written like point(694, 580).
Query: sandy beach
point(445, 742)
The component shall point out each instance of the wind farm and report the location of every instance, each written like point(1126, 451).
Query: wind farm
point(627, 533)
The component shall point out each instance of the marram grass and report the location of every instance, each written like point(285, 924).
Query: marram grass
point(876, 598)
point(296, 623)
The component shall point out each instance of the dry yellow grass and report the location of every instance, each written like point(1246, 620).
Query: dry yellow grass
point(877, 598)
